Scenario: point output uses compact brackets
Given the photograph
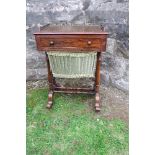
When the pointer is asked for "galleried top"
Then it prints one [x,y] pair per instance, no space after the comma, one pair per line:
[71,29]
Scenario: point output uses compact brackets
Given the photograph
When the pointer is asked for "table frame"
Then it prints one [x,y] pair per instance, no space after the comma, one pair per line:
[72,38]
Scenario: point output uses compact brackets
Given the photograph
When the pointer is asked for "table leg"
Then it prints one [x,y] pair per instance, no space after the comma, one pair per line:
[50,83]
[50,95]
[97,83]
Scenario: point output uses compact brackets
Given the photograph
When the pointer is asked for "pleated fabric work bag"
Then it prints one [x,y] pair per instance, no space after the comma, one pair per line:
[72,65]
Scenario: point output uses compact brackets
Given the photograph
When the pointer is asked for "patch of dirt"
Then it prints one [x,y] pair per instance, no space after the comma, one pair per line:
[35,84]
[114,102]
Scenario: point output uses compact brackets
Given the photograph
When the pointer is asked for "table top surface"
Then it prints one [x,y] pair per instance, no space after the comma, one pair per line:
[71,29]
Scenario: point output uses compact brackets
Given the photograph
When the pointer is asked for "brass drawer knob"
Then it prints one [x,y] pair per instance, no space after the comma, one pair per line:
[51,43]
[89,42]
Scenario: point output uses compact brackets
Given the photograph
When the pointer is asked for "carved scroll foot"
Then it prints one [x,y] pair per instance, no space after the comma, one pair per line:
[49,104]
[97,104]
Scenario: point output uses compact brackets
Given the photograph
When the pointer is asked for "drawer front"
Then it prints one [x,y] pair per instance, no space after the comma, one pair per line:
[49,43]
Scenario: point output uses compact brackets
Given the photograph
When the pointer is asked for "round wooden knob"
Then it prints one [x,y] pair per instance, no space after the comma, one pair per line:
[89,42]
[52,43]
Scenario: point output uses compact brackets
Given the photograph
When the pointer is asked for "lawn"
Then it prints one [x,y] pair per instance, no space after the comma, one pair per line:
[71,127]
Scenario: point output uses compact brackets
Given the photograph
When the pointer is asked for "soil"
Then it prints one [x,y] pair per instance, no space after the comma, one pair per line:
[114,102]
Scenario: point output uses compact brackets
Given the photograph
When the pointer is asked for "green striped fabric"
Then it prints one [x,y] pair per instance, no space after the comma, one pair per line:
[72,65]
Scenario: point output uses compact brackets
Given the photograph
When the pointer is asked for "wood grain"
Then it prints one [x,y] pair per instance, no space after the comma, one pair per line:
[72,39]
[71,29]
[70,42]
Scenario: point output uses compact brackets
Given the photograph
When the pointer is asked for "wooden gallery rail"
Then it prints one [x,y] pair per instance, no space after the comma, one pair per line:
[77,49]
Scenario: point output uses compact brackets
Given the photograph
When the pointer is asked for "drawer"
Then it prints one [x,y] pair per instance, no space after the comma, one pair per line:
[49,43]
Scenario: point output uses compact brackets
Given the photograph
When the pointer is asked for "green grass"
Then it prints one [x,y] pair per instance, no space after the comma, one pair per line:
[71,127]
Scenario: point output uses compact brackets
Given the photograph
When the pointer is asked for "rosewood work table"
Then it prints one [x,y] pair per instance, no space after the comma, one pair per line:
[73,39]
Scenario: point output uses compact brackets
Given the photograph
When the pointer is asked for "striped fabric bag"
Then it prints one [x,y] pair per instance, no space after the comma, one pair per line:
[72,65]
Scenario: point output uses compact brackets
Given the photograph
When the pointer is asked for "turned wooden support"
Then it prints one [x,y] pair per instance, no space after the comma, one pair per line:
[97,82]
[49,104]
[50,77]
[51,84]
